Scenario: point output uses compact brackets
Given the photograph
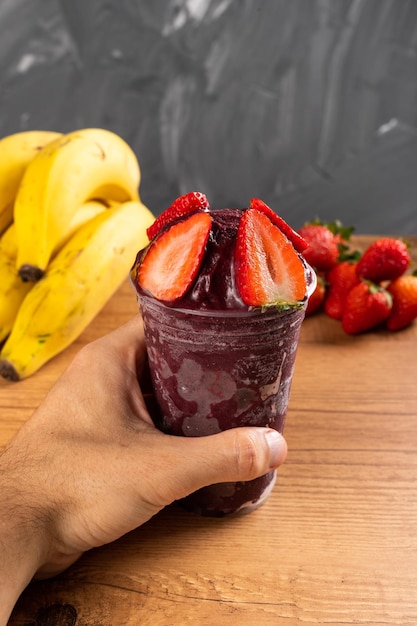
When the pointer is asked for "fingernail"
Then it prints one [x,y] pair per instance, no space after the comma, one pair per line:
[277,448]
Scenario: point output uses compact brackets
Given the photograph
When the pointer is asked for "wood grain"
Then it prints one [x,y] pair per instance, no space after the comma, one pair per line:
[336,543]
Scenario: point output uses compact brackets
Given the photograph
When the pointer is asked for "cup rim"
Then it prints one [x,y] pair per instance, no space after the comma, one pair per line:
[226,313]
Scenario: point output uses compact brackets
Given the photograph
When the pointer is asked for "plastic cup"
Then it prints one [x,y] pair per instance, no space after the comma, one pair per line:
[214,370]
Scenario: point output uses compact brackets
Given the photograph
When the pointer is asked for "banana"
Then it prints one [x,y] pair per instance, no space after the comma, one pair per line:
[8,245]
[82,165]
[81,278]
[16,152]
[12,288]
[83,214]
[12,293]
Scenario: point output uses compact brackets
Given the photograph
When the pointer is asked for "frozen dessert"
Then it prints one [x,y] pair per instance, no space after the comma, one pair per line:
[223,295]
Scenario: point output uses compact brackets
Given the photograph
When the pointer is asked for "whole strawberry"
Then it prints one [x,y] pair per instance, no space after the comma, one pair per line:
[316,299]
[341,278]
[404,308]
[323,249]
[385,259]
[367,305]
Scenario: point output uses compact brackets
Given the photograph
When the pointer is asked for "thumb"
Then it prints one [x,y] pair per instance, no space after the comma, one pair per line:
[238,454]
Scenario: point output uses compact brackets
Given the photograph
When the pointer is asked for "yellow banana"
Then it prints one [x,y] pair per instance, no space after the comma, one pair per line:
[8,245]
[82,165]
[12,293]
[81,278]
[16,152]
[12,288]
[83,214]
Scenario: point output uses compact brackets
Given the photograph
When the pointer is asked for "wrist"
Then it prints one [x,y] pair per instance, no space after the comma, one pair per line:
[23,535]
[19,562]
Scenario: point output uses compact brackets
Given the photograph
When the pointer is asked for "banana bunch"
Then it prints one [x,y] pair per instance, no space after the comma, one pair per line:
[12,288]
[67,242]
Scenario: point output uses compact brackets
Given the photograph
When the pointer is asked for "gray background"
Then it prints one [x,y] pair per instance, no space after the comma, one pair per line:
[309,104]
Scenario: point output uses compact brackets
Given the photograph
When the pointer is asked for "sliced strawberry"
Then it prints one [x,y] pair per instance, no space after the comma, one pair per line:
[297,241]
[268,269]
[188,203]
[173,259]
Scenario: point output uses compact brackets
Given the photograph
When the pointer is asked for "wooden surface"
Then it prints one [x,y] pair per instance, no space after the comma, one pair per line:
[336,543]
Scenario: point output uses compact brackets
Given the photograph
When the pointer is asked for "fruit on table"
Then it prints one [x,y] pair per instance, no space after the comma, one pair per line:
[12,288]
[12,291]
[340,280]
[366,306]
[78,282]
[404,294]
[82,165]
[382,266]
[385,259]
[69,208]
[317,298]
[16,152]
[322,251]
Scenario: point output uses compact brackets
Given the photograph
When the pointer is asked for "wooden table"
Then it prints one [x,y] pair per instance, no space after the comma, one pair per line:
[336,543]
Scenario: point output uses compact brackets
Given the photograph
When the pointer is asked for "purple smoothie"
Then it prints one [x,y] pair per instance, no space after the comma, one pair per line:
[216,363]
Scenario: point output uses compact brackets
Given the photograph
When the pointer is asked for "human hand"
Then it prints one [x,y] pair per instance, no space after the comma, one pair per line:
[89,465]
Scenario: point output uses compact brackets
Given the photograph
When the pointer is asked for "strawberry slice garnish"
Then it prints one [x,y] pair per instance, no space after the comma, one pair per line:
[268,269]
[297,240]
[173,259]
[189,203]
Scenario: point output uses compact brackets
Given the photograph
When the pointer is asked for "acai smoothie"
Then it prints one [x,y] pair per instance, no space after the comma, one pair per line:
[222,294]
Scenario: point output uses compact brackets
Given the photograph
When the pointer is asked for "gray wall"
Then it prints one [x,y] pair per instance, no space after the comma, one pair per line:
[309,104]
